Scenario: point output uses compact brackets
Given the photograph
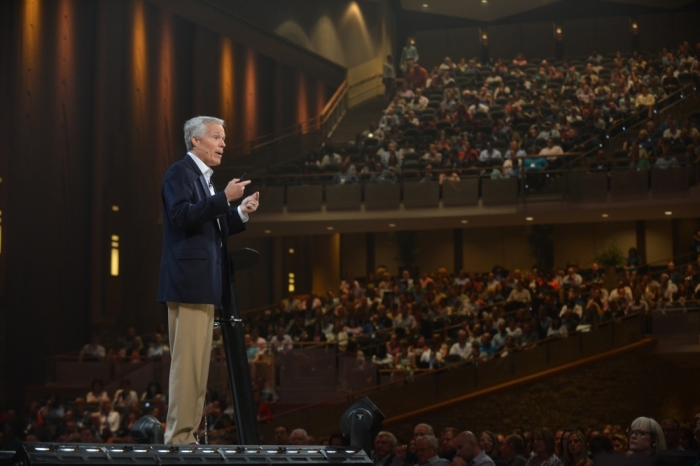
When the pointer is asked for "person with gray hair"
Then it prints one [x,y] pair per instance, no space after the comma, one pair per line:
[422,429]
[298,437]
[646,437]
[195,270]
[426,453]
[384,448]
[469,452]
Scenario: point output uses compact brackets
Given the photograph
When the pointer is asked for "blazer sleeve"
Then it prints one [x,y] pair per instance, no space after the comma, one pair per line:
[235,223]
[185,208]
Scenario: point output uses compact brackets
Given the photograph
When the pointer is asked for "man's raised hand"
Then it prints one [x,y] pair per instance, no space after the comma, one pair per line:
[235,188]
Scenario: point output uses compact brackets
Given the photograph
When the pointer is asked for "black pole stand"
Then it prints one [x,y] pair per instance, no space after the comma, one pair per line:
[231,326]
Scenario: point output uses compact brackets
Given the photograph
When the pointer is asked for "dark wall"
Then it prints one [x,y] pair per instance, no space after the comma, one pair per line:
[94,95]
[613,391]
[589,25]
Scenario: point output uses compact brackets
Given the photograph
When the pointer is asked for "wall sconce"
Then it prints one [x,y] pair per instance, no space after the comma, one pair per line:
[558,33]
[634,27]
[483,37]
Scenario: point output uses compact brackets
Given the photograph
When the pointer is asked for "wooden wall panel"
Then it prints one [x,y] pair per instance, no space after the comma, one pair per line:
[96,97]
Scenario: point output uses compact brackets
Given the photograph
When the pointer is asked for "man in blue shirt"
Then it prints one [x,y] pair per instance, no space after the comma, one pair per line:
[490,156]
[667,161]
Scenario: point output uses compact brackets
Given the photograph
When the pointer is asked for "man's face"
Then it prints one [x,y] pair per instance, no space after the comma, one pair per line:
[210,148]
[671,433]
[464,449]
[446,442]
[281,436]
[382,446]
[423,450]
[296,439]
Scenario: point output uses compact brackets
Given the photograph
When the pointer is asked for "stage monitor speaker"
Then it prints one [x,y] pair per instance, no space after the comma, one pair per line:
[31,454]
[148,430]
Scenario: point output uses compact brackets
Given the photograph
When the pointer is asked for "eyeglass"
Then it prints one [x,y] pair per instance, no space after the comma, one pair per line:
[485,440]
[639,433]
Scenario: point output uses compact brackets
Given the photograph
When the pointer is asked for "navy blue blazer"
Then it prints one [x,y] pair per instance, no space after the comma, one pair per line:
[194,266]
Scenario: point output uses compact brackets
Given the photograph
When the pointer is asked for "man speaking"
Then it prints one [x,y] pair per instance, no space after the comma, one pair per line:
[194,270]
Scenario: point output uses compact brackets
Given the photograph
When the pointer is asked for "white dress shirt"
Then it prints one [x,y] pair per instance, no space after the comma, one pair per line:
[208,172]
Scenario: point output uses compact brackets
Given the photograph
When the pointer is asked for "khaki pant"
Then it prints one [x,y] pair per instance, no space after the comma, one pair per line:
[190,329]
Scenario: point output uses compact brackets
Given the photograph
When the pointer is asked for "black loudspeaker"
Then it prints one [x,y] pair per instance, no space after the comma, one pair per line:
[31,454]
[148,430]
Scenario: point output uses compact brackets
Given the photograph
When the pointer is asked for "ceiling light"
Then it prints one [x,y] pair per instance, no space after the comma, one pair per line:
[604,215]
[425,5]
[268,231]
[484,1]
[465,221]
[668,212]
[392,225]
[329,228]
[529,219]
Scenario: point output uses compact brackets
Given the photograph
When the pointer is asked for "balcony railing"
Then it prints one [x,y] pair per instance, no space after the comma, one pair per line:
[314,193]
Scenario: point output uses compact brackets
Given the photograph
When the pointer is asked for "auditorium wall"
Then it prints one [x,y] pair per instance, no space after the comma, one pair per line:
[536,38]
[348,33]
[482,248]
[355,34]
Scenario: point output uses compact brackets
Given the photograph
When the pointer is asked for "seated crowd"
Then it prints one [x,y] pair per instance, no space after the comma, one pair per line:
[427,321]
[401,323]
[98,417]
[503,120]
[643,438]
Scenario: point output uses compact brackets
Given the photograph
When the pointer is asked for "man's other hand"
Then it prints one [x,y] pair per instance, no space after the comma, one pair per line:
[250,204]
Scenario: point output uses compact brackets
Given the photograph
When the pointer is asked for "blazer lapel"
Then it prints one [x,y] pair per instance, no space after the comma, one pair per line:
[203,184]
[205,187]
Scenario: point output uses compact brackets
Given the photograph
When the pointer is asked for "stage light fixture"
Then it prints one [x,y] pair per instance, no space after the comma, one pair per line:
[362,422]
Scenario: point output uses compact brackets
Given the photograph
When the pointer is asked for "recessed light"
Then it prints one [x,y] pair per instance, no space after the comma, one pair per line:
[425,5]
[484,1]
[529,219]
[604,215]
[268,232]
[392,225]
[465,221]
[668,212]
[329,228]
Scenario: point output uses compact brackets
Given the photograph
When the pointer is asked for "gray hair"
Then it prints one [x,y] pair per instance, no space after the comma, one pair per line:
[197,127]
[428,427]
[650,425]
[390,436]
[300,432]
[431,439]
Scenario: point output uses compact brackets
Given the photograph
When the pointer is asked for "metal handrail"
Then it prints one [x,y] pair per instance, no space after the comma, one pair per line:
[629,123]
